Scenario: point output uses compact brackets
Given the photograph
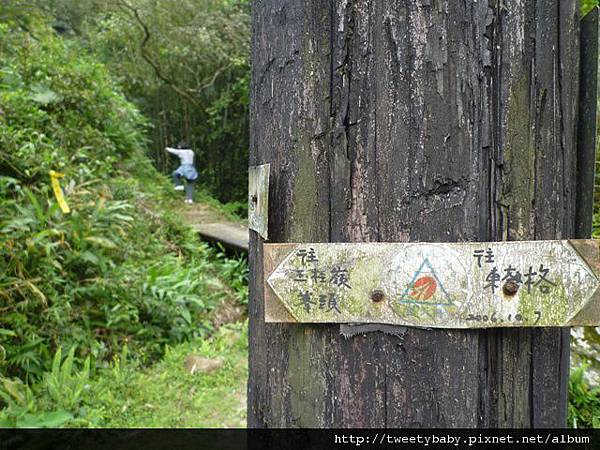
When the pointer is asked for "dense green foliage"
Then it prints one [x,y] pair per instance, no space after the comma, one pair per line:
[185,65]
[587,5]
[126,394]
[77,289]
[584,401]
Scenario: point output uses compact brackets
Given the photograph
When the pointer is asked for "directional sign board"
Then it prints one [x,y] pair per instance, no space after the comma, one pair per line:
[443,285]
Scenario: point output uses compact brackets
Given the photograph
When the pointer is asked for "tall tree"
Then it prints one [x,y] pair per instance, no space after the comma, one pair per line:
[412,121]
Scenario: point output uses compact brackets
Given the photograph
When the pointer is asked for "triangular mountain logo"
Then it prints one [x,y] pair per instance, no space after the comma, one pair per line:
[425,288]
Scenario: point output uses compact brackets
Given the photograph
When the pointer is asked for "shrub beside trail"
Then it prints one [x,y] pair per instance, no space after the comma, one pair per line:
[120,272]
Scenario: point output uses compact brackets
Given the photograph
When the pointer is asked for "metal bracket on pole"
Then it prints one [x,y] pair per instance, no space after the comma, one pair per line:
[258,199]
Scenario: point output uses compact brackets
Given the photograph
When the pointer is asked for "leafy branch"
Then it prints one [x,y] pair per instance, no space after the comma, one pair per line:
[146,55]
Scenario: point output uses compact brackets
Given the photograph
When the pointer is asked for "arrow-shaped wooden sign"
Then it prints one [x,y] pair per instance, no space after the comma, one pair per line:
[443,285]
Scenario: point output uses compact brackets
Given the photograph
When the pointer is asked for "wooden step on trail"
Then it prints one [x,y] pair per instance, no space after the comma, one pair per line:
[229,234]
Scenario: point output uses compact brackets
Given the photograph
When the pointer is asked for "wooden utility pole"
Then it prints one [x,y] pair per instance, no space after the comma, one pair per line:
[400,121]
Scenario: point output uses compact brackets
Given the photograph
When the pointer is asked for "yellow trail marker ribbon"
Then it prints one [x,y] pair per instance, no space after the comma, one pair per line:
[58,193]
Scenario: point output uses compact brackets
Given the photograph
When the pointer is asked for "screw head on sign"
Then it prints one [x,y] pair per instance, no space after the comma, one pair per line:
[377,296]
[510,288]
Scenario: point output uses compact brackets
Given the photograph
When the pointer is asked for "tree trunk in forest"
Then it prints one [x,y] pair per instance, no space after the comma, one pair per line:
[411,121]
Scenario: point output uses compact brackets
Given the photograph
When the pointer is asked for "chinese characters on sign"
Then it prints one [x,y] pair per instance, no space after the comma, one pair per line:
[528,278]
[308,273]
[449,285]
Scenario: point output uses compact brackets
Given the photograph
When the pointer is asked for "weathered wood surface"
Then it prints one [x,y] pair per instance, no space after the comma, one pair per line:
[231,235]
[437,285]
[412,121]
[587,129]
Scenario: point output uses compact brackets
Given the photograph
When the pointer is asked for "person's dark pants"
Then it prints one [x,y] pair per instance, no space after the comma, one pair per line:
[189,190]
[189,185]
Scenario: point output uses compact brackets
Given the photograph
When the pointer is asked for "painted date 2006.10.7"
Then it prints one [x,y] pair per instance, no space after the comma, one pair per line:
[494,318]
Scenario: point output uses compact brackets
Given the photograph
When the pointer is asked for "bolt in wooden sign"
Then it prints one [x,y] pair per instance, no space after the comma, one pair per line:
[442,285]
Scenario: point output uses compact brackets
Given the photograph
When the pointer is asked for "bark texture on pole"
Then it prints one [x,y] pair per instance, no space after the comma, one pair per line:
[411,121]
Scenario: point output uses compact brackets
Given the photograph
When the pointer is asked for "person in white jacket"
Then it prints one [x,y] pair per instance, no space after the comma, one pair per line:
[185,170]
